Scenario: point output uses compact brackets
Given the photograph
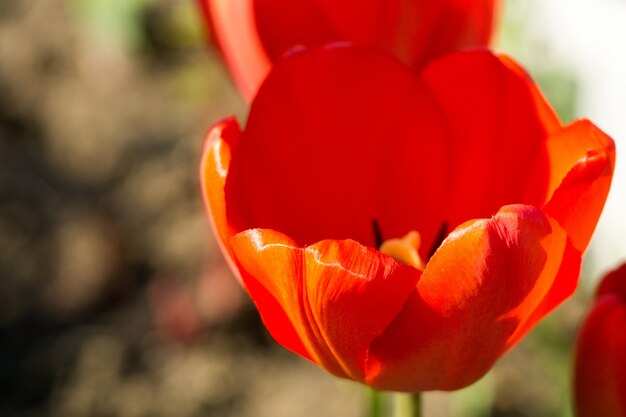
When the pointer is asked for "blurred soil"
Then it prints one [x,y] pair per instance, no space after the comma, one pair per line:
[114,300]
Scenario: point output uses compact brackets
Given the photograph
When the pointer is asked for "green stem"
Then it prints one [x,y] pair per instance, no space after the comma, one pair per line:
[407,405]
[376,404]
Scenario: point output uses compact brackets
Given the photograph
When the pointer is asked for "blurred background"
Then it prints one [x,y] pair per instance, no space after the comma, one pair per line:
[114,299]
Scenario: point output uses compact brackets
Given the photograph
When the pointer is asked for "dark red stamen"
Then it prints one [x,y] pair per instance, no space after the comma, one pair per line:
[443,232]
[378,235]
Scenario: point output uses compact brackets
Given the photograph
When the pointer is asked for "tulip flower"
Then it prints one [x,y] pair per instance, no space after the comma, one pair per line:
[600,375]
[484,200]
[254,33]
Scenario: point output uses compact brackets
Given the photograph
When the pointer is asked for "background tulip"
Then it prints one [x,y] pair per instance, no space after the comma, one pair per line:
[503,196]
[600,375]
[254,33]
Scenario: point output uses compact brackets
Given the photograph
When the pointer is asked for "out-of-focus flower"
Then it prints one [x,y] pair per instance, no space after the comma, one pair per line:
[600,375]
[503,197]
[254,33]
[181,314]
[175,313]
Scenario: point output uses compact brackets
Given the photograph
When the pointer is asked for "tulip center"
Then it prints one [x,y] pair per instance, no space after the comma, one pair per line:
[405,249]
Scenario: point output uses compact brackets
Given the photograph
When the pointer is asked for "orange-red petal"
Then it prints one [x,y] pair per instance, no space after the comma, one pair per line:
[581,162]
[339,295]
[219,143]
[476,296]
[233,23]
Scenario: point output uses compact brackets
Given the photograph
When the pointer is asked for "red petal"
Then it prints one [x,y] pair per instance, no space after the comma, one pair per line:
[549,119]
[614,283]
[339,295]
[336,138]
[498,124]
[281,25]
[235,30]
[478,294]
[581,159]
[414,31]
[600,373]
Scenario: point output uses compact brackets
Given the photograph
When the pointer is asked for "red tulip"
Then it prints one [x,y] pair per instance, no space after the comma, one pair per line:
[254,33]
[339,138]
[600,376]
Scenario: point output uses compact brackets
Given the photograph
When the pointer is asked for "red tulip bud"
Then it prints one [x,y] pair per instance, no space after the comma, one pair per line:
[600,374]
